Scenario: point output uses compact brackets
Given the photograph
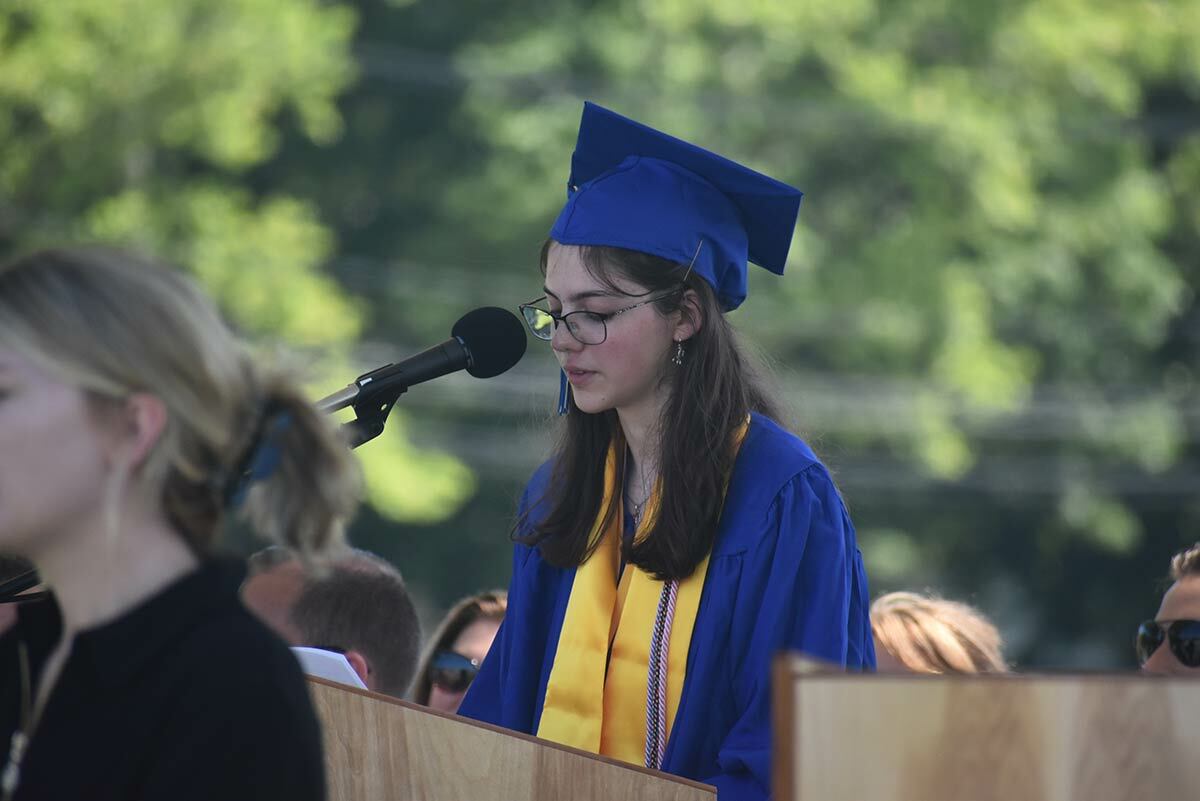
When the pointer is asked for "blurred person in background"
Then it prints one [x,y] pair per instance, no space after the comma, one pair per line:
[274,581]
[132,424]
[355,603]
[456,650]
[925,634]
[680,536]
[1170,643]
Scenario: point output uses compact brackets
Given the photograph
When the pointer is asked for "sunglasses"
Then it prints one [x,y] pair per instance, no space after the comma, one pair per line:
[452,671]
[1182,635]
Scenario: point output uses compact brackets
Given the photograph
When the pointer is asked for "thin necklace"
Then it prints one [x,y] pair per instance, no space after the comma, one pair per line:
[638,506]
[637,514]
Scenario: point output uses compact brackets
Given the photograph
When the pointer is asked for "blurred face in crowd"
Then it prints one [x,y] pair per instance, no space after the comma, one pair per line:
[272,594]
[886,661]
[55,459]
[473,643]
[1181,603]
[625,371]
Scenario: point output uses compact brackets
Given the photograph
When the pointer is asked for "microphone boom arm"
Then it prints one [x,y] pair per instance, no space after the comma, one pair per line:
[373,394]
[485,342]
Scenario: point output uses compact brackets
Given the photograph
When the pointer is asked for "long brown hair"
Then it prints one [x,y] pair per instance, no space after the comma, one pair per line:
[710,395]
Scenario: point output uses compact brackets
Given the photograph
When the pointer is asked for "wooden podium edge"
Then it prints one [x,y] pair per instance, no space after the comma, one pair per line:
[790,665]
[783,701]
[388,699]
[797,680]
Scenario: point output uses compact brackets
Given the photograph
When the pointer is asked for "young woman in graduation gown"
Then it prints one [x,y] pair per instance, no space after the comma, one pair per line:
[680,537]
[131,423]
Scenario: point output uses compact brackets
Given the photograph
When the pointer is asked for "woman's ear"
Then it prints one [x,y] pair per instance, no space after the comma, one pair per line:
[141,421]
[360,665]
[691,317]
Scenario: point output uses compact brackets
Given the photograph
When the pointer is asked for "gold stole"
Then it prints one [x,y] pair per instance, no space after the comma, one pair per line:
[595,701]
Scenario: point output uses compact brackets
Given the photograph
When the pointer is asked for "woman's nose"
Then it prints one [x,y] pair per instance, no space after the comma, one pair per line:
[1162,661]
[562,339]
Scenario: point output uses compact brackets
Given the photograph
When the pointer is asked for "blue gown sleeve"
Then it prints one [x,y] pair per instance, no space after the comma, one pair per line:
[484,699]
[803,588]
[504,690]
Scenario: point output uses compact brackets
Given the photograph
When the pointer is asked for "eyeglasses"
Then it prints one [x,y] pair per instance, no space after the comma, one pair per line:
[452,671]
[1182,635]
[588,327]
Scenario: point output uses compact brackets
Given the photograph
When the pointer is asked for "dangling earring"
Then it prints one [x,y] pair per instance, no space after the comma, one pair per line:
[677,359]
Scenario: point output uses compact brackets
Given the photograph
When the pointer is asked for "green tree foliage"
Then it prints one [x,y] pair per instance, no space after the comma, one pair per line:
[989,324]
[985,208]
[136,122]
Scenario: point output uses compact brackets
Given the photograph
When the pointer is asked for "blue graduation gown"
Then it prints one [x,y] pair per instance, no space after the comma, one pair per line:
[785,573]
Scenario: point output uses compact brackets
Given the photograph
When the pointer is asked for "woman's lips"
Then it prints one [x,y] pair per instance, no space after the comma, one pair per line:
[577,377]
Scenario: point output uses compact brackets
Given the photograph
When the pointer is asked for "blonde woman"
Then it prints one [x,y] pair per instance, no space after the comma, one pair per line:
[923,634]
[131,424]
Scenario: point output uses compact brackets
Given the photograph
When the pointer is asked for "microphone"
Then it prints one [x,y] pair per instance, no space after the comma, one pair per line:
[485,342]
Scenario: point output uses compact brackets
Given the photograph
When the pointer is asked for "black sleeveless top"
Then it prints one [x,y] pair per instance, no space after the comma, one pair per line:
[186,696]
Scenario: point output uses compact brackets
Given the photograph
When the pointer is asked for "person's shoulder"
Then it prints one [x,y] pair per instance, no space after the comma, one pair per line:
[775,471]
[539,481]
[537,501]
[242,659]
[237,702]
[773,455]
[235,627]
[536,498]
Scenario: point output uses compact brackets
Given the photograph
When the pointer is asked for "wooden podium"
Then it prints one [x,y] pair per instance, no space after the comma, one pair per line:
[379,748]
[869,737]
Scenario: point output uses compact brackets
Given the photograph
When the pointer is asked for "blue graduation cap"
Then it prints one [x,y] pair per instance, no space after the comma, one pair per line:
[637,188]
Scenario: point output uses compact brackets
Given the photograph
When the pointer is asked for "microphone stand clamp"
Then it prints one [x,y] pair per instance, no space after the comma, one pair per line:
[378,392]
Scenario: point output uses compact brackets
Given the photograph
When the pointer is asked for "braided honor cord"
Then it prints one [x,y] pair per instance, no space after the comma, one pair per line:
[656,685]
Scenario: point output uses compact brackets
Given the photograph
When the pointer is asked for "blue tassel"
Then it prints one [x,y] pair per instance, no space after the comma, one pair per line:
[563,389]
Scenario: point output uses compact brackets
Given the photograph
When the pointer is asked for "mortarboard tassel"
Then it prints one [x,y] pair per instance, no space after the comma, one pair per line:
[562,392]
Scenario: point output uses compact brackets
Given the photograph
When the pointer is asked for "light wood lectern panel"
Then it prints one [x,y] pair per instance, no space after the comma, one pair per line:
[379,748]
[983,738]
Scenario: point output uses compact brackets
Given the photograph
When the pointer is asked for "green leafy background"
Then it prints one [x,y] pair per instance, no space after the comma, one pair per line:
[988,326]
